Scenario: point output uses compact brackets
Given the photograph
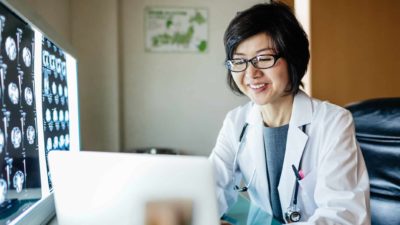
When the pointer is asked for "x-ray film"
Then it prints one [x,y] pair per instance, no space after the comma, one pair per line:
[54,99]
[19,156]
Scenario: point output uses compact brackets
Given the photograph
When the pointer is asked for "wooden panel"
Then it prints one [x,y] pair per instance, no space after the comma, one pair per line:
[355,49]
[287,2]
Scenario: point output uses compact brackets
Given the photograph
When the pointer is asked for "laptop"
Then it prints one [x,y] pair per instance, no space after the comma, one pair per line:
[135,189]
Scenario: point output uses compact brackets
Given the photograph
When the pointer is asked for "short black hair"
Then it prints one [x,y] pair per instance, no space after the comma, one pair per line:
[289,39]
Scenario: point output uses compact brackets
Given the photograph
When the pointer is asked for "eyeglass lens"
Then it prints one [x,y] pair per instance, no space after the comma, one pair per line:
[259,62]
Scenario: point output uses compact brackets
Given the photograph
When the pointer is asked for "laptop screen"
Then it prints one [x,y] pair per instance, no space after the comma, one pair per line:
[122,188]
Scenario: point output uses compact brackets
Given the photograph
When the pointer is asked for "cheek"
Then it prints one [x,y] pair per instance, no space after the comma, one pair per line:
[283,81]
[238,81]
[286,78]
[283,74]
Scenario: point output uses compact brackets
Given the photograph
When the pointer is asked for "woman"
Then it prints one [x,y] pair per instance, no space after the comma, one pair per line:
[297,157]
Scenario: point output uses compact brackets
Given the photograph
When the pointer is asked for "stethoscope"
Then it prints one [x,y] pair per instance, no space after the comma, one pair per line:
[242,141]
[292,213]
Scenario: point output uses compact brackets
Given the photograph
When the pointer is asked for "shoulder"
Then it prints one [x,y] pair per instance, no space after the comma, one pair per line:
[327,111]
[240,113]
[307,109]
[330,119]
[236,119]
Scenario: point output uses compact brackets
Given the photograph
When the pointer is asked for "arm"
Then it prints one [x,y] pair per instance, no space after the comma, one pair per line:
[222,158]
[342,184]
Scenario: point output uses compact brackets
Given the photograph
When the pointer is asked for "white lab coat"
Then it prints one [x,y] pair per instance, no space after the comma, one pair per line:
[335,188]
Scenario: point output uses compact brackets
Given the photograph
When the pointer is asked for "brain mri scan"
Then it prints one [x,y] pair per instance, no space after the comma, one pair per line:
[18,181]
[30,134]
[13,93]
[48,115]
[11,48]
[28,95]
[55,142]
[49,144]
[27,56]
[61,141]
[54,88]
[16,137]
[61,116]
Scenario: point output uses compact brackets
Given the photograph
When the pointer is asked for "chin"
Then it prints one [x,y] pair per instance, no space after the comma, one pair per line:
[261,101]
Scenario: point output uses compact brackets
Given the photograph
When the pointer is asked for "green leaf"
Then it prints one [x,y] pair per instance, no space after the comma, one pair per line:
[202,46]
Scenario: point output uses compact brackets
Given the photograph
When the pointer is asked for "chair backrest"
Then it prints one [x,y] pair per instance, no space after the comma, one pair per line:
[377,123]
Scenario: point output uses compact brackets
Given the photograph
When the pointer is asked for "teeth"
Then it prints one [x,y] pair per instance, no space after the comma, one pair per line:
[257,85]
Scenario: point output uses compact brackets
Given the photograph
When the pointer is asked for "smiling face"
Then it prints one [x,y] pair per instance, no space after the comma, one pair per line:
[262,86]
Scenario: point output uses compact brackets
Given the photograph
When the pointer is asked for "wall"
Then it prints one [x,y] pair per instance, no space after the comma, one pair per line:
[94,35]
[355,49]
[55,13]
[130,98]
[175,100]
[288,2]
[91,28]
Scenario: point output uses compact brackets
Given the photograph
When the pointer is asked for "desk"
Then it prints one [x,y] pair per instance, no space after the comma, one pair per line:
[238,214]
[53,221]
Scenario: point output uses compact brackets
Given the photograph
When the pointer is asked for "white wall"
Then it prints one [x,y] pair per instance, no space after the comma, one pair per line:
[55,13]
[176,100]
[94,35]
[130,98]
[91,28]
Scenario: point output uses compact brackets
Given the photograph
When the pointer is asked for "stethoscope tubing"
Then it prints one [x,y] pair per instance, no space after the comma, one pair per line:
[242,140]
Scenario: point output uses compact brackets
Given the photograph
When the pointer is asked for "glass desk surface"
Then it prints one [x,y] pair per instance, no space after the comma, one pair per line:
[244,213]
[237,215]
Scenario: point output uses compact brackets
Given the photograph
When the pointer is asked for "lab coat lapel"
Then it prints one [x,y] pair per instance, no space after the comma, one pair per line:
[255,146]
[295,145]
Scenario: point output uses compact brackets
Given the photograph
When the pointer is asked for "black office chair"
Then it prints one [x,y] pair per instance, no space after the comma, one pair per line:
[377,123]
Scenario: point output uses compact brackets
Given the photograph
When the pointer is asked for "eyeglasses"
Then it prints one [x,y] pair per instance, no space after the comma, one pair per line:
[259,62]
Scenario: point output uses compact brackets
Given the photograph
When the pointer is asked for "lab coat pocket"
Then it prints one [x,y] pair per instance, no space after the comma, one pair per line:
[307,188]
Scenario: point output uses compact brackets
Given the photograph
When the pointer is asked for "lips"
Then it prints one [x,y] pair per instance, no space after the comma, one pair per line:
[256,86]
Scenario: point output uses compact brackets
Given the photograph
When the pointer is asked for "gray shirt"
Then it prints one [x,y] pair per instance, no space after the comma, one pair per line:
[275,147]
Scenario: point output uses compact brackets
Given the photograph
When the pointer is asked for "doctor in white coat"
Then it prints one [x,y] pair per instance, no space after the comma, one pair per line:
[320,160]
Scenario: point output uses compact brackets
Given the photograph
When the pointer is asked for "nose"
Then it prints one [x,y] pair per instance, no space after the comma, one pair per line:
[252,72]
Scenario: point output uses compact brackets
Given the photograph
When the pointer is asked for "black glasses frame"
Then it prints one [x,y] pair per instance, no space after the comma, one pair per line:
[253,61]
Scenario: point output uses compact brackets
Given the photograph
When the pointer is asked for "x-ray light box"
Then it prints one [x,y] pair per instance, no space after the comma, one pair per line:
[39,113]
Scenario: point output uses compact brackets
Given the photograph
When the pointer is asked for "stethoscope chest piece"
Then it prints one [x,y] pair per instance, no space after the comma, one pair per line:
[293,214]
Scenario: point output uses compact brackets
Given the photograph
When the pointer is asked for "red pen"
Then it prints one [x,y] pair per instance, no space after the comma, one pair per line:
[299,175]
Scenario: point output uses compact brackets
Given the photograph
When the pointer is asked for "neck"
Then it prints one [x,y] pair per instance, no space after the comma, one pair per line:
[276,114]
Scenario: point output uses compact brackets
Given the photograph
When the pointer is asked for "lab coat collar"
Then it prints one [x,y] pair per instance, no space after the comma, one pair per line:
[254,117]
[301,112]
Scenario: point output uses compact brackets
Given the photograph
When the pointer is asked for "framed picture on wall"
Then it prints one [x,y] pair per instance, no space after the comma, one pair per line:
[176,29]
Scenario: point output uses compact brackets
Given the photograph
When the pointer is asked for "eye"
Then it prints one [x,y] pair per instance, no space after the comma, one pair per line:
[238,61]
[265,58]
